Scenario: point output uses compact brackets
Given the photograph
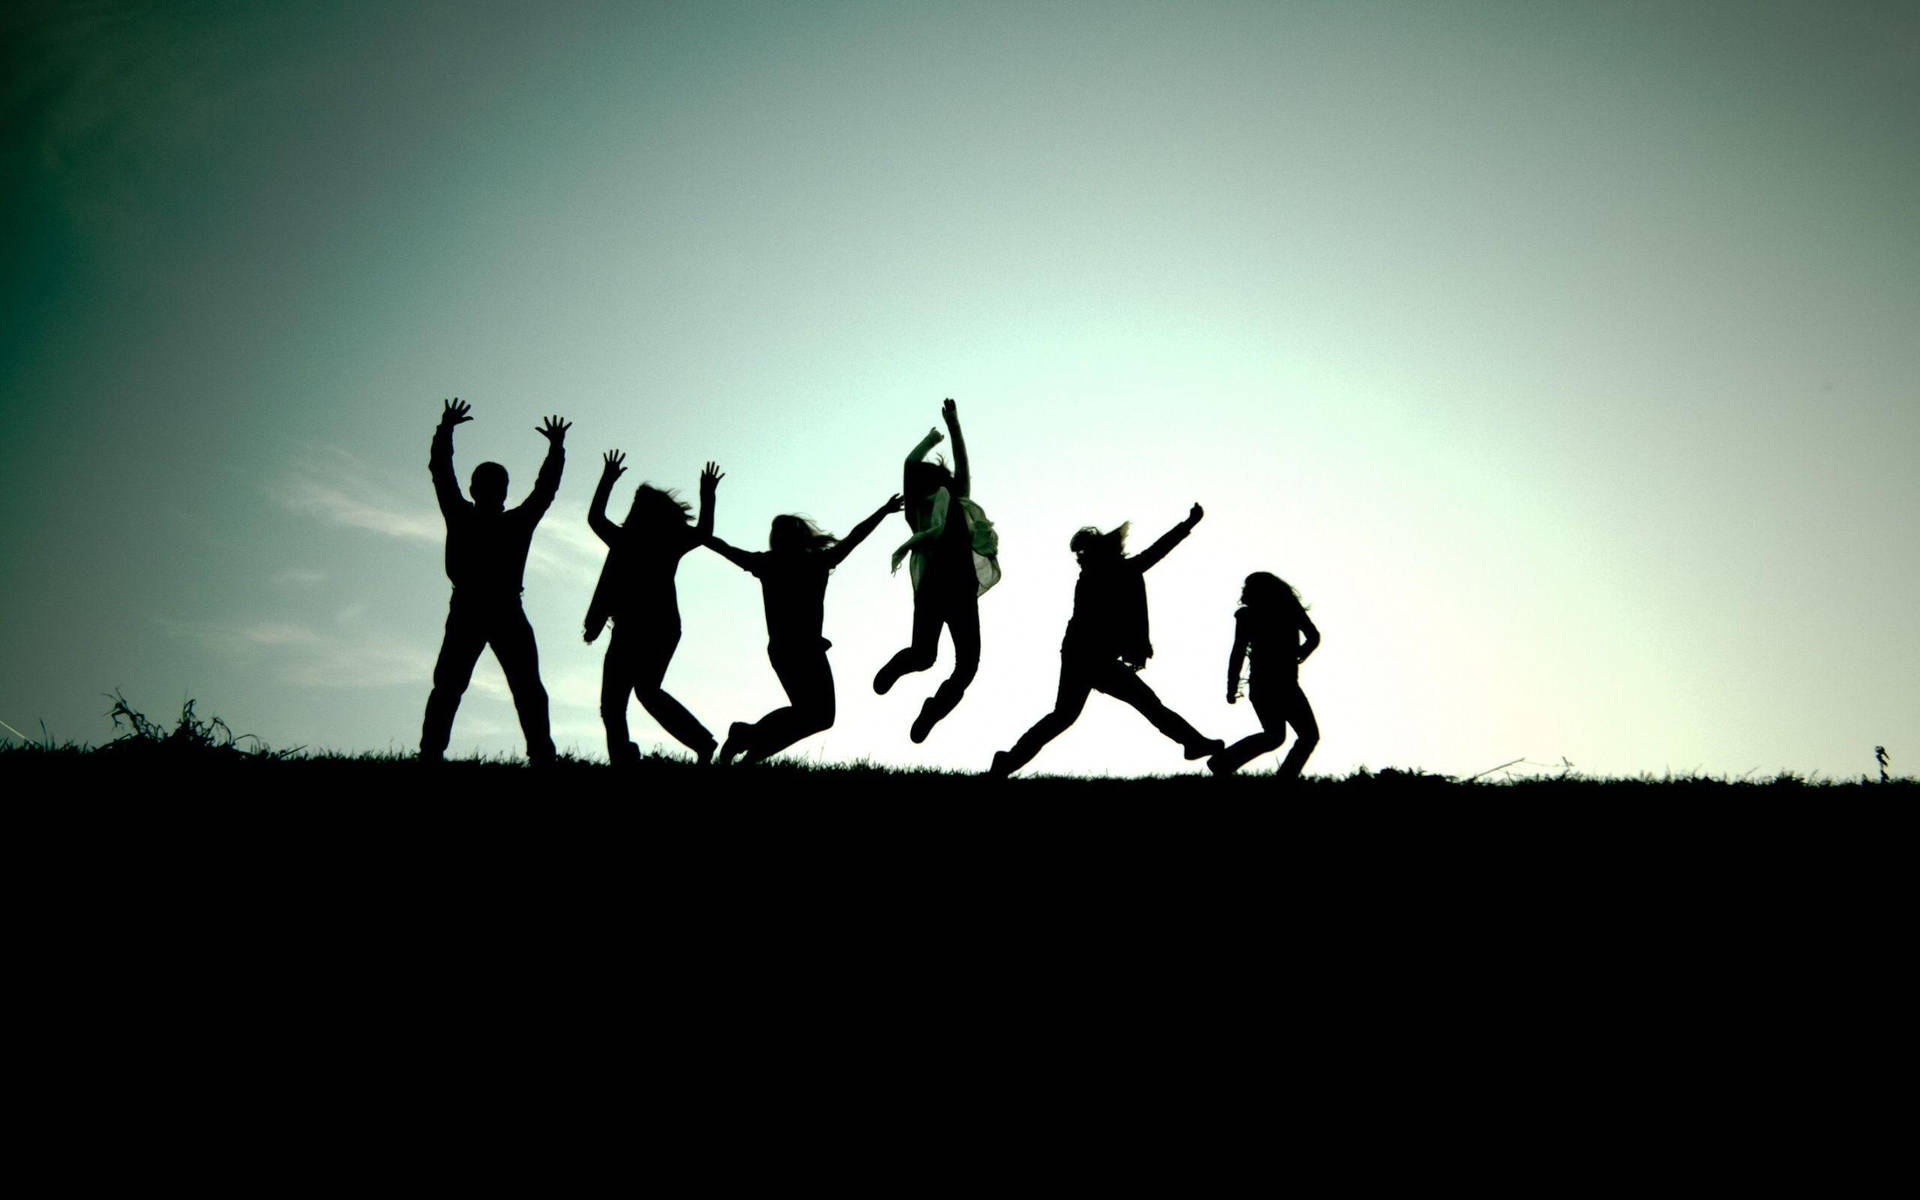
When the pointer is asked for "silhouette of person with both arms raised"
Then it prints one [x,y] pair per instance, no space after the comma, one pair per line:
[955,561]
[636,592]
[486,559]
[1270,625]
[1107,644]
[793,574]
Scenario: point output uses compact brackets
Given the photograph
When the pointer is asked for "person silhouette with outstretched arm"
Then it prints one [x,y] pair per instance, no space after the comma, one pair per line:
[1107,644]
[486,558]
[1272,626]
[637,594]
[793,574]
[954,561]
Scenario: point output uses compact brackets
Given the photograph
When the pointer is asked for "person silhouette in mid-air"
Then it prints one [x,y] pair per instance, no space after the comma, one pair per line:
[636,592]
[793,574]
[1274,627]
[487,546]
[1106,644]
[955,560]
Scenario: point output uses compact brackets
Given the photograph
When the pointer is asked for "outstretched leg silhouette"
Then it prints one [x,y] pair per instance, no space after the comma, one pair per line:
[1077,680]
[452,671]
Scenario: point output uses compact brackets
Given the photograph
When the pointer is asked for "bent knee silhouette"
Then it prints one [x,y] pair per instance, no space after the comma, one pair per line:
[793,573]
[954,555]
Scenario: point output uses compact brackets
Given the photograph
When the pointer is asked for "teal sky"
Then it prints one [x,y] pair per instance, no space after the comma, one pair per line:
[1564,356]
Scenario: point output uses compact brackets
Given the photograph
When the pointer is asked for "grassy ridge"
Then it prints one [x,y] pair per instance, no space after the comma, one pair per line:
[228,766]
[205,753]
[171,849]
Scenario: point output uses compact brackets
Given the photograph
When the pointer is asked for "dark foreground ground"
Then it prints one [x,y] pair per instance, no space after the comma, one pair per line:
[372,929]
[667,815]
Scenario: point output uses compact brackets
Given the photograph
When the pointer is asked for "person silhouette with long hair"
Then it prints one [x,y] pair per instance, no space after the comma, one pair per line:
[1273,627]
[1107,644]
[486,559]
[954,561]
[636,593]
[793,574]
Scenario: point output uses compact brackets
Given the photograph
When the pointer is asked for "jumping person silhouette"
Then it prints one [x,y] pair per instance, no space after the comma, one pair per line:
[486,559]
[636,592]
[793,574]
[1270,625]
[955,561]
[1106,644]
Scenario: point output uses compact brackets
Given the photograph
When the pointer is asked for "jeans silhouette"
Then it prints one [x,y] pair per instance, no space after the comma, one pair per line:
[1277,708]
[947,600]
[471,628]
[1078,679]
[636,663]
[808,679]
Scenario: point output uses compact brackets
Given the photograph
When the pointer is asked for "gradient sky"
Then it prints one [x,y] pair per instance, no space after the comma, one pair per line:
[1564,356]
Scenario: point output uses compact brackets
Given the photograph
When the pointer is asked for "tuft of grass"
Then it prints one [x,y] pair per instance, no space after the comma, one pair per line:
[206,739]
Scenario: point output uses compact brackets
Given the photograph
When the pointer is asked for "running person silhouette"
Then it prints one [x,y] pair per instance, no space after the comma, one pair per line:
[955,560]
[793,574]
[486,559]
[1107,644]
[636,592]
[1271,625]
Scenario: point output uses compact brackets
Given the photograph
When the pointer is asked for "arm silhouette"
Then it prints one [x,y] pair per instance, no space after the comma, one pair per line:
[548,484]
[1168,540]
[936,525]
[1312,633]
[710,478]
[611,470]
[1238,657]
[962,479]
[934,438]
[859,532]
[744,559]
[440,456]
